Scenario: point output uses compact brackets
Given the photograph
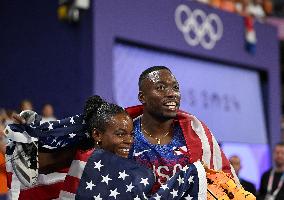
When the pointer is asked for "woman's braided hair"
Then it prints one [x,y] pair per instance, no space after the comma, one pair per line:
[97,113]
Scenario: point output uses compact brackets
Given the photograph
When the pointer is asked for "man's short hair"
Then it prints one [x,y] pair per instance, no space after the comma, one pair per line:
[146,72]
[280,144]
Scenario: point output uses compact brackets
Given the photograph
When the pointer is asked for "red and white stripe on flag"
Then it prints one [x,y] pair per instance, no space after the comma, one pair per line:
[72,180]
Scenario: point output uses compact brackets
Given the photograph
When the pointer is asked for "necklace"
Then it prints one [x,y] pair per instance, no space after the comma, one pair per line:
[156,138]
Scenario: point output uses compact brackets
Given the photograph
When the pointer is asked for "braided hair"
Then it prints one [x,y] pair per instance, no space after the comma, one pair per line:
[97,113]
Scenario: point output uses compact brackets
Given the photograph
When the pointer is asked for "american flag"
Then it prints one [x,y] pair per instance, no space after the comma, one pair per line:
[250,35]
[24,140]
[50,135]
[107,176]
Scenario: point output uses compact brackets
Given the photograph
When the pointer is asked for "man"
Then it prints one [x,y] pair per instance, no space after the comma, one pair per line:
[165,138]
[48,113]
[26,105]
[271,187]
[236,163]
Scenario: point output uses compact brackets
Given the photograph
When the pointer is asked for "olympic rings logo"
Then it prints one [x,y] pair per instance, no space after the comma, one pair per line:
[197,28]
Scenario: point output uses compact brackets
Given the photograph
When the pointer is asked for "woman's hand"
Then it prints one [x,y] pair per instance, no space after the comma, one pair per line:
[18,119]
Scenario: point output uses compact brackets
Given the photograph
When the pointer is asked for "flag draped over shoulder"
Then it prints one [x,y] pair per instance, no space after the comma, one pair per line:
[200,142]
[107,176]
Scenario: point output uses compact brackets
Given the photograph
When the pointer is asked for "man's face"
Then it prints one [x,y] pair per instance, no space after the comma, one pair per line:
[160,94]
[118,136]
[278,155]
[47,111]
[26,105]
[236,163]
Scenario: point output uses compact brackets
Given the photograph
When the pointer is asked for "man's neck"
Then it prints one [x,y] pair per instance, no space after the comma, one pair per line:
[155,125]
[279,168]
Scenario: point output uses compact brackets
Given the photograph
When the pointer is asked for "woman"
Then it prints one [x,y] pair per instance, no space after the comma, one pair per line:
[101,175]
[110,128]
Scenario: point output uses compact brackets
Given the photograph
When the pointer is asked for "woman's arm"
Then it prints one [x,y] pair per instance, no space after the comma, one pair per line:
[55,161]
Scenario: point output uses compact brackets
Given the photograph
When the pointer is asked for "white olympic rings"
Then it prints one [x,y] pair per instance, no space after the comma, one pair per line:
[203,33]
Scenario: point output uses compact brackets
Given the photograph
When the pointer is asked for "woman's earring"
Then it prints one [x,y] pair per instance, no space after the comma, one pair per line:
[98,142]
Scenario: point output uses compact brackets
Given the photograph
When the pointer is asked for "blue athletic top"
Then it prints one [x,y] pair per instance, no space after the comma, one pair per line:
[164,160]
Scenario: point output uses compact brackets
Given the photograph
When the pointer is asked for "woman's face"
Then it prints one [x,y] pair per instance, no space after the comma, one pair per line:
[118,136]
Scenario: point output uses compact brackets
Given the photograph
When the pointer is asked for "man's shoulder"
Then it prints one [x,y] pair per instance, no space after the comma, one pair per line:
[248,183]
[182,112]
[134,111]
[249,186]
[266,173]
[184,116]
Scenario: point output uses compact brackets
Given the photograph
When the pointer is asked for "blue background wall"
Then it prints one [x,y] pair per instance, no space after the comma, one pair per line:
[42,58]
[152,24]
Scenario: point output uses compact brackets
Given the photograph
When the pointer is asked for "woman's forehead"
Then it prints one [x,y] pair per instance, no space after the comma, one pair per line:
[121,119]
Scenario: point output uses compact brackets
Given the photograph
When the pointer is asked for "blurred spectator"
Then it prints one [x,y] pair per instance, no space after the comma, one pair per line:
[48,113]
[282,129]
[26,105]
[2,142]
[3,174]
[242,7]
[216,3]
[228,5]
[203,1]
[3,116]
[236,163]
[239,6]
[272,180]
[255,9]
[268,7]
[10,119]
[278,8]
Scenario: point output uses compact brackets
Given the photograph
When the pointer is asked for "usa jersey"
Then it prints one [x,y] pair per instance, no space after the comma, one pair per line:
[164,160]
